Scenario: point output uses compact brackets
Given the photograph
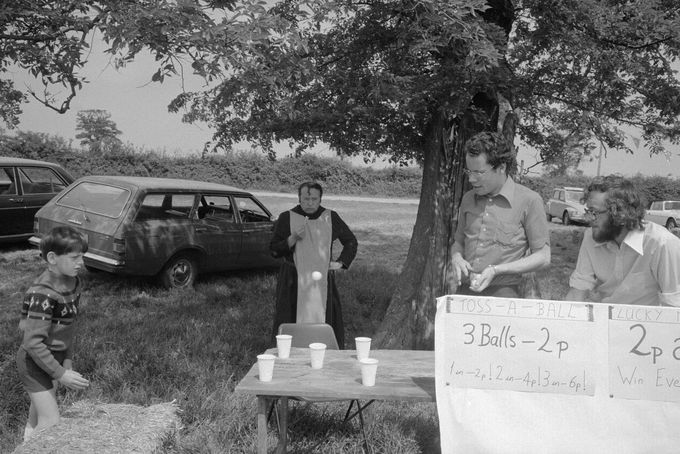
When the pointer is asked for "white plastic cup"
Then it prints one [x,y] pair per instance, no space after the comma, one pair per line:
[265,364]
[283,342]
[317,351]
[363,346]
[369,368]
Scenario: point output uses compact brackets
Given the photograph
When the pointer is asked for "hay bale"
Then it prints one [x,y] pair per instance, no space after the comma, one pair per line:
[90,427]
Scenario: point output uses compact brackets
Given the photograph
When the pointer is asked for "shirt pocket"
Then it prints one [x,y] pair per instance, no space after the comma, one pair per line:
[508,234]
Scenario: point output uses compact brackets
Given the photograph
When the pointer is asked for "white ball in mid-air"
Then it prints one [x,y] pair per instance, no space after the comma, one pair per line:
[316,275]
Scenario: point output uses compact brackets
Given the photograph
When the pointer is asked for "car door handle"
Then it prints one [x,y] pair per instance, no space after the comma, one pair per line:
[17,200]
[202,229]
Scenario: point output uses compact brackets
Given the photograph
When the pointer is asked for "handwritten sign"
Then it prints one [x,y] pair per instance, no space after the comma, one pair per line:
[613,385]
[644,353]
[521,345]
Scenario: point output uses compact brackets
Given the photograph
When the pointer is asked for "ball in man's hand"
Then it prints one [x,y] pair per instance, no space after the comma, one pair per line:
[316,275]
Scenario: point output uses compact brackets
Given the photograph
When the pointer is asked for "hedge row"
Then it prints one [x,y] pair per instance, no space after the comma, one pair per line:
[254,171]
[248,170]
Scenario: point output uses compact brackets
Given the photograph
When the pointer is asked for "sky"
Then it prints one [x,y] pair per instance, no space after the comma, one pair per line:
[139,109]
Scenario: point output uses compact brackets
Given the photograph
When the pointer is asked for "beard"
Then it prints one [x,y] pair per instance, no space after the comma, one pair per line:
[608,232]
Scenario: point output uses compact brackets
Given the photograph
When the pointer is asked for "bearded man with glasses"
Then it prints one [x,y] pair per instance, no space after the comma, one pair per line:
[502,229]
[624,259]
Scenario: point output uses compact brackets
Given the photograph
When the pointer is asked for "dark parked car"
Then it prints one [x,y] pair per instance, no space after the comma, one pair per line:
[25,186]
[159,226]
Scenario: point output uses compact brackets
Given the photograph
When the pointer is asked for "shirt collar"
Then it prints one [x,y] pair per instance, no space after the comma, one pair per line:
[298,209]
[634,240]
[507,191]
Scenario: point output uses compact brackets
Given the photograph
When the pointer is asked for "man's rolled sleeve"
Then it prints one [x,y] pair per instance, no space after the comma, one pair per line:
[667,272]
[536,225]
[671,299]
[459,234]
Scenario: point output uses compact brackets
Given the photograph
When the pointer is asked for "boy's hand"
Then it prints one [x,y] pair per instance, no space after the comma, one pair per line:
[72,379]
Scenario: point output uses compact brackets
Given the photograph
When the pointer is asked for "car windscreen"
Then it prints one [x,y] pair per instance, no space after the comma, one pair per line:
[96,198]
[574,196]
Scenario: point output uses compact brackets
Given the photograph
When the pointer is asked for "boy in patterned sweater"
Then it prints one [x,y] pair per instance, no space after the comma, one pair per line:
[47,320]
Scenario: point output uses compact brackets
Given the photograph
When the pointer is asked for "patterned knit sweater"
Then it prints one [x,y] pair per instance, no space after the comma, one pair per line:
[48,321]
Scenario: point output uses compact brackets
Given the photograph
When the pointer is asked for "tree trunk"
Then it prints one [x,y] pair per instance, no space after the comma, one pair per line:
[409,320]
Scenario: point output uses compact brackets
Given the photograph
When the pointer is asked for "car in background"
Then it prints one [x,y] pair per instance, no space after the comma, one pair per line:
[567,204]
[25,186]
[171,228]
[664,212]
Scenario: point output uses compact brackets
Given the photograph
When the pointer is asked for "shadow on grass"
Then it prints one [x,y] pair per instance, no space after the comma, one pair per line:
[390,428]
[141,344]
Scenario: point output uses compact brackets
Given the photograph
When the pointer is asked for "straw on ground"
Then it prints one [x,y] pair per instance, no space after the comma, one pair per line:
[87,427]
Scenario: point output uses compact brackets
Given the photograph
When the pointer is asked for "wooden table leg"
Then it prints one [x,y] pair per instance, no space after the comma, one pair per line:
[261,425]
[283,425]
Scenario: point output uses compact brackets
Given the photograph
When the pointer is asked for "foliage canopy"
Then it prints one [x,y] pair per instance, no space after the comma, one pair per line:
[369,77]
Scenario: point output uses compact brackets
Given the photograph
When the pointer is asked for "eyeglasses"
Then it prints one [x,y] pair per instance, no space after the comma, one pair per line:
[594,213]
[476,173]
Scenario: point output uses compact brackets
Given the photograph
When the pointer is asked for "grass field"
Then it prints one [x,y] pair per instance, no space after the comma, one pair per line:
[140,344]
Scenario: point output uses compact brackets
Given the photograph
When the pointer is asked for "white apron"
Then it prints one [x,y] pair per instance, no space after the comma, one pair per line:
[312,253]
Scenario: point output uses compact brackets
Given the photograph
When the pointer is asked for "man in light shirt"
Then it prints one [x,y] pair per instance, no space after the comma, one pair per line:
[502,229]
[624,259]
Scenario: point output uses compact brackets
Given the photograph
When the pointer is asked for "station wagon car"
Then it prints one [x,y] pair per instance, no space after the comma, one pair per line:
[172,228]
[566,204]
[25,186]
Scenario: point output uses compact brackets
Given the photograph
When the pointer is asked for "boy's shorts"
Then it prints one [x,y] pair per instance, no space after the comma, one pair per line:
[33,377]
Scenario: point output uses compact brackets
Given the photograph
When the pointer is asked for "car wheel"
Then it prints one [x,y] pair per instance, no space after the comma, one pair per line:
[179,272]
[670,224]
[566,220]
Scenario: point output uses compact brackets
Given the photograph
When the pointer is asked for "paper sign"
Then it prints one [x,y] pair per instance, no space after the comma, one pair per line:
[521,345]
[613,385]
[644,352]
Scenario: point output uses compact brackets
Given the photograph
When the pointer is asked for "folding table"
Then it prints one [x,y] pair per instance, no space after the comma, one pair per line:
[403,375]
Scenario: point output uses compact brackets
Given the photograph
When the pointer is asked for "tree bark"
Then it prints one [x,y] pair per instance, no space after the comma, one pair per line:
[409,319]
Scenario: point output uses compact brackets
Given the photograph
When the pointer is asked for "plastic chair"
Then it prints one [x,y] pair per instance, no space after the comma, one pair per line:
[307,333]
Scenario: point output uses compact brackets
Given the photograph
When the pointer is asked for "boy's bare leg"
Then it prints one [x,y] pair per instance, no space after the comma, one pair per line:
[31,423]
[45,410]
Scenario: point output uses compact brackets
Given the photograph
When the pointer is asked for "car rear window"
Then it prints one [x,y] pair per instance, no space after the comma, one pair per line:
[574,196]
[96,198]
[165,207]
